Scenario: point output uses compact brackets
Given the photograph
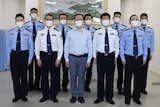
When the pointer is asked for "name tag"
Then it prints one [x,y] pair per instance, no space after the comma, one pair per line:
[25,35]
[111,33]
[53,35]
[28,26]
[12,33]
[148,32]
[140,35]
[128,35]
[42,34]
[100,33]
[122,30]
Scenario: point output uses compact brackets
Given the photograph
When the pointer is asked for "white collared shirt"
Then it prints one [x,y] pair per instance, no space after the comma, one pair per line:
[99,41]
[56,42]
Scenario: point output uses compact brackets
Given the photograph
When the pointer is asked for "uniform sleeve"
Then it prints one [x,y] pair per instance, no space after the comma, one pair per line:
[60,46]
[122,46]
[116,45]
[9,46]
[94,45]
[152,43]
[30,47]
[37,45]
[66,47]
[145,48]
[89,45]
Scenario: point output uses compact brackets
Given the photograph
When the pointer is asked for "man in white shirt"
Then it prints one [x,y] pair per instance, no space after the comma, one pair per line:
[105,53]
[48,50]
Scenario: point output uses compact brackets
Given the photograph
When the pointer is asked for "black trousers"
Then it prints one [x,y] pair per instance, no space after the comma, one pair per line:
[120,74]
[34,83]
[48,65]
[105,65]
[65,79]
[144,73]
[89,75]
[19,63]
[133,66]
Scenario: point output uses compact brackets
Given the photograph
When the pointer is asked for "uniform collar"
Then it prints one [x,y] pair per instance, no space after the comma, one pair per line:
[79,30]
[134,29]
[21,29]
[105,28]
[48,29]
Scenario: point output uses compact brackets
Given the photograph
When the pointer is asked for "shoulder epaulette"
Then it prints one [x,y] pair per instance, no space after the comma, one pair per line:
[56,29]
[94,28]
[150,28]
[12,29]
[27,22]
[123,25]
[98,28]
[40,22]
[70,27]
[56,26]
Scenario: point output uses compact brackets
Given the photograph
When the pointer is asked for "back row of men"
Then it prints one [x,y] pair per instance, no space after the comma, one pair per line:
[131,49]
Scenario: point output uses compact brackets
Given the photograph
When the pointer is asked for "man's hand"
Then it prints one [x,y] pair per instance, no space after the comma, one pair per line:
[88,64]
[39,62]
[67,64]
[57,63]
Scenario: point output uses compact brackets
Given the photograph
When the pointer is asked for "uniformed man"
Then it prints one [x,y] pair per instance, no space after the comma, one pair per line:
[133,52]
[78,55]
[20,53]
[64,29]
[120,28]
[88,20]
[48,50]
[105,53]
[34,26]
[149,32]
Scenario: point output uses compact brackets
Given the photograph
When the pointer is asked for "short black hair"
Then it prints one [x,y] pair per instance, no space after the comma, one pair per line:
[117,12]
[77,15]
[48,14]
[88,15]
[63,14]
[132,16]
[19,15]
[34,9]
[105,14]
[144,14]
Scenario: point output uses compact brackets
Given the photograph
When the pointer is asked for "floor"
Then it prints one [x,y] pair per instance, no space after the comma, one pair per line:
[6,95]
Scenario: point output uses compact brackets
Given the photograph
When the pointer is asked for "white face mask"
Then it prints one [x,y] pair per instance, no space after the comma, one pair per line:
[33,15]
[105,22]
[49,23]
[63,22]
[117,20]
[134,23]
[88,22]
[19,24]
[79,23]
[143,21]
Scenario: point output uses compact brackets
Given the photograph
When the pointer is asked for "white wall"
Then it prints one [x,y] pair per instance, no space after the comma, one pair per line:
[8,10]
[151,7]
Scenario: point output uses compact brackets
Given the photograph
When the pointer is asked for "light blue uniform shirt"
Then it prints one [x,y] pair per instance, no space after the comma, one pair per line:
[121,28]
[66,29]
[91,29]
[29,26]
[126,43]
[26,42]
[78,42]
[150,37]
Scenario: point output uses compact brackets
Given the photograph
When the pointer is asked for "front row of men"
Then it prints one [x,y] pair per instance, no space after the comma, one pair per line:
[78,49]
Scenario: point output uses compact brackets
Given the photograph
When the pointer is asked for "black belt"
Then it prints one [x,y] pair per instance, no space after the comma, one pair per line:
[54,52]
[84,55]
[105,54]
[19,51]
[135,57]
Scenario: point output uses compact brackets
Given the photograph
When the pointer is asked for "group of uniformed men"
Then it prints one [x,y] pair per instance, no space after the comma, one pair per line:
[76,49]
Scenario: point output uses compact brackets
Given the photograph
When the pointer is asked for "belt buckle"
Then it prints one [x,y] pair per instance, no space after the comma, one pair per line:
[136,57]
[105,54]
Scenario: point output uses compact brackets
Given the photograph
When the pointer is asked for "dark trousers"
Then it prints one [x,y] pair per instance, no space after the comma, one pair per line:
[89,75]
[144,73]
[48,65]
[105,65]
[65,79]
[133,66]
[31,74]
[120,74]
[18,63]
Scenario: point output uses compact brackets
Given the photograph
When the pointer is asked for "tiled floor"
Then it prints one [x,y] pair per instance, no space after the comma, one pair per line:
[6,95]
